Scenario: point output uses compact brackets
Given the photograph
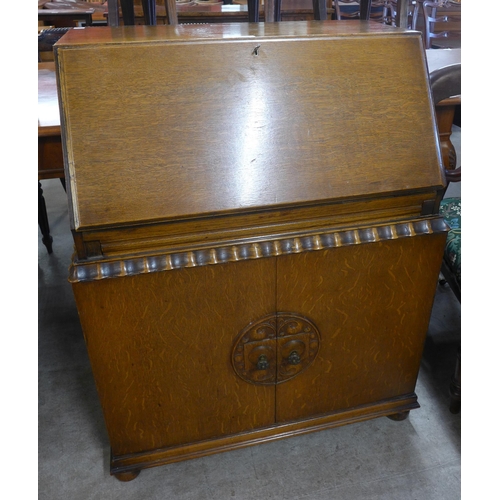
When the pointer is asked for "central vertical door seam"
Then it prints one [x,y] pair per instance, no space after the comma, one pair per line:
[276,340]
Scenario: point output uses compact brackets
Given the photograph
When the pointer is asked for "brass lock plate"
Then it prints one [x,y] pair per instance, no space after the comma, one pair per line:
[275,348]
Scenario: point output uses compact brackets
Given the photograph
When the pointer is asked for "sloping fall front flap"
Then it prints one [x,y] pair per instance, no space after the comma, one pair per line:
[178,124]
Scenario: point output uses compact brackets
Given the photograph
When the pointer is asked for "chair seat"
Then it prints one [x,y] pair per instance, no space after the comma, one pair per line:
[451,210]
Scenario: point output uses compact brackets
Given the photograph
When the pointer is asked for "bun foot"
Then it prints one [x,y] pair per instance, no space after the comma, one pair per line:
[127,476]
[398,417]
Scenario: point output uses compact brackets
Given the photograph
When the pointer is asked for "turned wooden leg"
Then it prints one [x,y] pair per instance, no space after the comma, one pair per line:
[398,417]
[455,402]
[43,220]
[127,476]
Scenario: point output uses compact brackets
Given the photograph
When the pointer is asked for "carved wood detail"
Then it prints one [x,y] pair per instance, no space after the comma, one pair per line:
[275,348]
[97,270]
[254,353]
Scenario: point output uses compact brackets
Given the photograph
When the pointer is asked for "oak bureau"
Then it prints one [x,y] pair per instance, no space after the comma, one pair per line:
[255,217]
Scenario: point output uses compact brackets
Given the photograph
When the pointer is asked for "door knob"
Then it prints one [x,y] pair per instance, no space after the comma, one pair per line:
[262,363]
[275,348]
[294,358]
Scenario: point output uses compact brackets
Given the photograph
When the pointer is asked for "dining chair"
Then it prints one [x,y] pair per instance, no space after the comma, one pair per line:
[441,19]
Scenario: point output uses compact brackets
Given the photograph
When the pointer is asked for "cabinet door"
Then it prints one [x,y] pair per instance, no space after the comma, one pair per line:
[371,304]
[160,349]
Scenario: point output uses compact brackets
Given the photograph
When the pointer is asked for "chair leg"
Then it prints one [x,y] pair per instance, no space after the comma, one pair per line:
[455,392]
[43,220]
[277,11]
[128,12]
[364,9]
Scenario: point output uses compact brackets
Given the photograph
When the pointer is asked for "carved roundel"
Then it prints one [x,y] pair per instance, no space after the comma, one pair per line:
[275,348]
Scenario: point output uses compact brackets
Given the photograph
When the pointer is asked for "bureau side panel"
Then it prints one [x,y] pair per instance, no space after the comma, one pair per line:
[160,348]
[371,304]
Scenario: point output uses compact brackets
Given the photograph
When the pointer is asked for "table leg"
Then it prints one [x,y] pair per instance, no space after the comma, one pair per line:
[365,7]
[253,11]
[128,12]
[43,220]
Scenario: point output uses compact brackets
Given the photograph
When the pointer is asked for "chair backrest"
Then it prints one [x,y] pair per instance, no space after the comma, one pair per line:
[393,12]
[438,23]
[360,9]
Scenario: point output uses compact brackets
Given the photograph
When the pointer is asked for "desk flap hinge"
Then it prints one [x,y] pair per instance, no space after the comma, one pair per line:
[86,249]
[93,249]
[430,207]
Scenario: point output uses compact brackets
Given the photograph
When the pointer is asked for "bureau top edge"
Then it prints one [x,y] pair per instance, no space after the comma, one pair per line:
[225,31]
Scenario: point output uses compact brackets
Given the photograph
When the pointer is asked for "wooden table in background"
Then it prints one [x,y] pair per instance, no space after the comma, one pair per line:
[65,17]
[50,157]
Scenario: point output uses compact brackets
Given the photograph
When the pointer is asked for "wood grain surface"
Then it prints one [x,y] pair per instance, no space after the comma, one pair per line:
[232,174]
[371,305]
[192,124]
[160,348]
